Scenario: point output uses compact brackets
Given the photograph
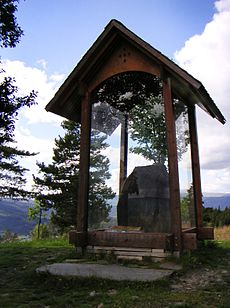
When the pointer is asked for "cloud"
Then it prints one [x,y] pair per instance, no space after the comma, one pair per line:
[35,128]
[43,146]
[206,56]
[31,78]
[42,63]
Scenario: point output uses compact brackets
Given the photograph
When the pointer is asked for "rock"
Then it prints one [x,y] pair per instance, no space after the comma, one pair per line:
[112,292]
[144,201]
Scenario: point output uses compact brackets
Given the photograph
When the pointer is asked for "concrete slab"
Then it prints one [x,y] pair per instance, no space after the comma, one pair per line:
[111,271]
[171,266]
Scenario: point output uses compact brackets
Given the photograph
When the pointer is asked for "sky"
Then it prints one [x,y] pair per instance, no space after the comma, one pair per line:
[195,34]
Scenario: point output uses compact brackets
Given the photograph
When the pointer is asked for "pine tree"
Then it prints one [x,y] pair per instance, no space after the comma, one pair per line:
[12,177]
[59,180]
[10,32]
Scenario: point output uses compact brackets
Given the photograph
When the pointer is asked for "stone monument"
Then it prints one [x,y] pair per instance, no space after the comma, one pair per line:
[144,199]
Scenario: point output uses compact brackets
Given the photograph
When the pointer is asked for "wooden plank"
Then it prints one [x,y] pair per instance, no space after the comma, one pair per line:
[189,241]
[82,210]
[126,239]
[126,249]
[195,166]
[136,258]
[205,233]
[132,252]
[190,230]
[173,165]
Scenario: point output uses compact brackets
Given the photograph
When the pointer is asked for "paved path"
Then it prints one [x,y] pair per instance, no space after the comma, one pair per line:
[111,271]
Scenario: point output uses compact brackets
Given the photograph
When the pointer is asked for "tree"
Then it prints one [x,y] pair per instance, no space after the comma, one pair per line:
[139,96]
[216,217]
[147,128]
[59,180]
[36,213]
[10,32]
[12,177]
[187,206]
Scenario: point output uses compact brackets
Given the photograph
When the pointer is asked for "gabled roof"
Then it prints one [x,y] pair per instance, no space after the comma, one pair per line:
[67,100]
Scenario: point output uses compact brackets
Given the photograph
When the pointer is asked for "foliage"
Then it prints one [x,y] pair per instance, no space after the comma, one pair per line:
[40,231]
[184,206]
[216,217]
[58,185]
[188,208]
[8,236]
[139,97]
[36,213]
[12,178]
[10,32]
[11,173]
[147,128]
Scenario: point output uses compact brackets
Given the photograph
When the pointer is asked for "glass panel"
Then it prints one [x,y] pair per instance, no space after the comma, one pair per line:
[148,188]
[130,107]
[185,164]
[104,164]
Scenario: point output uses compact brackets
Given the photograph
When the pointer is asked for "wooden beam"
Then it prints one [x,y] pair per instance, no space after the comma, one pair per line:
[205,233]
[82,210]
[174,187]
[123,152]
[189,241]
[134,239]
[195,166]
[79,239]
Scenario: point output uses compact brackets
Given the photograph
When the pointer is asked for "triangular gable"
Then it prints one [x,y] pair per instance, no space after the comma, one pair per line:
[116,37]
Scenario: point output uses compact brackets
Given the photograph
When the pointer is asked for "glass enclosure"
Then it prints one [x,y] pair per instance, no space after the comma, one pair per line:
[129,161]
[184,164]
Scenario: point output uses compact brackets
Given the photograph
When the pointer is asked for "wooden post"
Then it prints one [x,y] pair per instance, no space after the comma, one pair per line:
[122,206]
[123,152]
[82,211]
[174,187]
[195,166]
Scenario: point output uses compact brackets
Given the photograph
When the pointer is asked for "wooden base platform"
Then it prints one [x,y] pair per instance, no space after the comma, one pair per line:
[136,243]
[127,253]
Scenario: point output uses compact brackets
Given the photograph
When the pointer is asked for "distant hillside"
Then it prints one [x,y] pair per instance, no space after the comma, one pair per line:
[13,217]
[210,200]
[13,214]
[217,201]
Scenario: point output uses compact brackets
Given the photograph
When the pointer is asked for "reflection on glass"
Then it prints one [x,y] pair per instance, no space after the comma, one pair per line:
[128,112]
[104,122]
[185,169]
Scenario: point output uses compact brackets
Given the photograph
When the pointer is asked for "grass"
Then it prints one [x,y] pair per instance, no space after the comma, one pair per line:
[222,233]
[21,286]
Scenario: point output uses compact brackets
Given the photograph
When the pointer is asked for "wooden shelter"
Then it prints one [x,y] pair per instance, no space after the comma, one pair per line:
[117,51]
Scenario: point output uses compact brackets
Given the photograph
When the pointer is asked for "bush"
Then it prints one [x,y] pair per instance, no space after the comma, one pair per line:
[8,236]
[216,217]
[40,232]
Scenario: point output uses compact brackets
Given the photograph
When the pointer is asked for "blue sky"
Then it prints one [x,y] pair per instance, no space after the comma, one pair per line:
[62,31]
[195,33]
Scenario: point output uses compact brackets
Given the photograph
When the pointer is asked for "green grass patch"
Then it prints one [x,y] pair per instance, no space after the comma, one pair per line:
[21,286]
[59,242]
